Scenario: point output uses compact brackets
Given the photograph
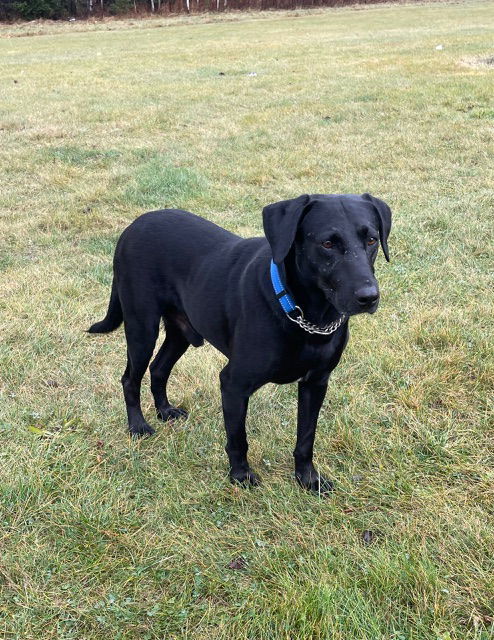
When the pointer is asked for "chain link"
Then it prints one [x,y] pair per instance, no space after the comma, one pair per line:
[313,328]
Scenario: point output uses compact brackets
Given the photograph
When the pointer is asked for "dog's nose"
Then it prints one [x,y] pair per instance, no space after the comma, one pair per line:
[367,296]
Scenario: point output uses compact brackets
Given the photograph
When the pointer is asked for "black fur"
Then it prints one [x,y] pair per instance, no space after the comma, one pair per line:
[207,283]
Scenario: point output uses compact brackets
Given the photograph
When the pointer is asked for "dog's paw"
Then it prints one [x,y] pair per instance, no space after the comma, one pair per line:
[140,430]
[171,413]
[245,478]
[313,481]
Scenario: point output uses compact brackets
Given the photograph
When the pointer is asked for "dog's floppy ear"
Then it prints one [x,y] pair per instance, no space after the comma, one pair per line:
[384,218]
[280,222]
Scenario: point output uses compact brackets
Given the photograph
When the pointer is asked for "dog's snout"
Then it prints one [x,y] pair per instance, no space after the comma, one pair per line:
[367,296]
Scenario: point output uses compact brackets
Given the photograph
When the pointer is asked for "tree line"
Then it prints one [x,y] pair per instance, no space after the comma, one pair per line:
[65,9]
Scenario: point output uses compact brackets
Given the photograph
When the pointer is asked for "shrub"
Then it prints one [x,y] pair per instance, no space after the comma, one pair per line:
[32,9]
[121,6]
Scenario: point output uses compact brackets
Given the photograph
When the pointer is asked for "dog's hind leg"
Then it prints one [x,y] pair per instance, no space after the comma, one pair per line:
[141,339]
[174,346]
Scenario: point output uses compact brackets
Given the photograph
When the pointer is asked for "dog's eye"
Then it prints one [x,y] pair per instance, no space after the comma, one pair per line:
[371,241]
[327,244]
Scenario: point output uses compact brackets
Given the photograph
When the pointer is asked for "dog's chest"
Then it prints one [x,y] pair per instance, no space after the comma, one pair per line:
[297,361]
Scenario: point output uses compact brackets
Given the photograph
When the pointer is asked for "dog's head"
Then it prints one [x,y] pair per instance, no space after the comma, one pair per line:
[333,241]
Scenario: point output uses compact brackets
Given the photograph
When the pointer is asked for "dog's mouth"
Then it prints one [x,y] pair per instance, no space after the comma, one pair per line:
[371,308]
[356,308]
[332,297]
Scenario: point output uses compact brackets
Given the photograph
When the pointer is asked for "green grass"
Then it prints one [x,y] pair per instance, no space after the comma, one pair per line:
[102,537]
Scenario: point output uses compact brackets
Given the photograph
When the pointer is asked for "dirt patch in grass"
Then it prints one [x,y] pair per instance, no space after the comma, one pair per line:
[480,62]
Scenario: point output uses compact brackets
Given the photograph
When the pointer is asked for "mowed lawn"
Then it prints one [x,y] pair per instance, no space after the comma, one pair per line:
[105,538]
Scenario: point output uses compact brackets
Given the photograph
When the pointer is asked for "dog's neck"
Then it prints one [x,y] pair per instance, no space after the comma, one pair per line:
[309,298]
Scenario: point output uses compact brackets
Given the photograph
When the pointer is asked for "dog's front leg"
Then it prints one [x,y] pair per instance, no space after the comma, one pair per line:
[235,404]
[310,398]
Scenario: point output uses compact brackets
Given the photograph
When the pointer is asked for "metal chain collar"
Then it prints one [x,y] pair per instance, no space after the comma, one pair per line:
[313,328]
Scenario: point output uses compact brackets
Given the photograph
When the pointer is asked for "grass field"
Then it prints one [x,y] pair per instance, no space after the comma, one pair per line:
[101,537]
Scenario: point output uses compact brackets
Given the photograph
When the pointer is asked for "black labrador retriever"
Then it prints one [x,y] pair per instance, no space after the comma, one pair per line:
[276,307]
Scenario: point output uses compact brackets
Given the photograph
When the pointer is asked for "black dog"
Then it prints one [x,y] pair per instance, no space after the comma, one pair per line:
[277,308]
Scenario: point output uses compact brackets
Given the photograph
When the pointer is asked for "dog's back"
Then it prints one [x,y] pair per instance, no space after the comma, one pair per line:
[176,265]
[158,238]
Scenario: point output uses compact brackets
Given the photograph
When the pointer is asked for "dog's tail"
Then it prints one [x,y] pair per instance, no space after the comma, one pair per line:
[114,315]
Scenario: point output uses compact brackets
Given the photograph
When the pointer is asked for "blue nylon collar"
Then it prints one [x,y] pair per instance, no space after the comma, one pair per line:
[289,306]
[286,300]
